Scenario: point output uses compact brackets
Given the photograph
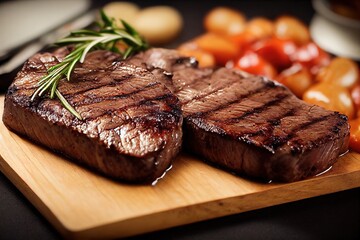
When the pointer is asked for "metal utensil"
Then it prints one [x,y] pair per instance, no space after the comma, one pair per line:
[22,53]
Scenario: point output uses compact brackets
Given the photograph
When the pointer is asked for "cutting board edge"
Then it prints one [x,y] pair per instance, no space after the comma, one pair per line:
[211,210]
[186,214]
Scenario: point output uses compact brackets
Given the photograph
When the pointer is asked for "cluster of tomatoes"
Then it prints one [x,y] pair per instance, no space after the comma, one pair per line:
[282,50]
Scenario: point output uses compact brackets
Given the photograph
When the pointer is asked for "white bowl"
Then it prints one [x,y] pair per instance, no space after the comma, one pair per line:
[335,33]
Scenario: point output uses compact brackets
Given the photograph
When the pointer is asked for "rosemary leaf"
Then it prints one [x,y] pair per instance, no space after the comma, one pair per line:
[71,67]
[84,41]
[67,105]
[54,88]
[89,46]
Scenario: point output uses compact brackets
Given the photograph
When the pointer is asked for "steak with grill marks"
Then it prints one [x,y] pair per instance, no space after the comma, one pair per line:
[248,124]
[131,127]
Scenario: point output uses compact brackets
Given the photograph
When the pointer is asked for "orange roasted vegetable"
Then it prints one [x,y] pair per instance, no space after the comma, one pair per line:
[224,21]
[331,97]
[340,71]
[256,29]
[297,78]
[259,28]
[220,47]
[291,28]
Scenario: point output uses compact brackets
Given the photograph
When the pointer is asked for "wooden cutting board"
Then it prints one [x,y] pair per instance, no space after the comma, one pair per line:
[81,204]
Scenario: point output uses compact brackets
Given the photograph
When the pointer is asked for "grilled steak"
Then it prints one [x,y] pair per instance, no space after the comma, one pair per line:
[131,127]
[248,124]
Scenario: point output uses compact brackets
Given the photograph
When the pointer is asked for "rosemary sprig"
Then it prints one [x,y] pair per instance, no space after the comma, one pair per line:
[85,41]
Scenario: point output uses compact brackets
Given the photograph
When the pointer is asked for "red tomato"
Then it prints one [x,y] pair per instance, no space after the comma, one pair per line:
[312,57]
[354,142]
[253,63]
[276,51]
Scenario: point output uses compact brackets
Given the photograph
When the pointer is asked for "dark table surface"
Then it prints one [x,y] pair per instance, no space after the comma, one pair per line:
[332,216]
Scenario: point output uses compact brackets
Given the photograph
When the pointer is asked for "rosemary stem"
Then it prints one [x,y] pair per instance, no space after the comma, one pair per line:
[85,41]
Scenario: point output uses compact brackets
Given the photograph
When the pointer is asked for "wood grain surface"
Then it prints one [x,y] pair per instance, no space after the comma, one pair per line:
[82,204]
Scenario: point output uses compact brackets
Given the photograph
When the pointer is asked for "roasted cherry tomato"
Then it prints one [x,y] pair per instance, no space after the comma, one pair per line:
[354,142]
[331,97]
[297,78]
[276,51]
[311,56]
[253,63]
[341,71]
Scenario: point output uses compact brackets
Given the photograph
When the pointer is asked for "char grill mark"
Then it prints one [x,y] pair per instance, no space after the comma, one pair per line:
[255,128]
[209,86]
[257,110]
[109,93]
[316,131]
[127,91]
[276,141]
[115,75]
[145,97]
[250,124]
[271,124]
[238,99]
[85,85]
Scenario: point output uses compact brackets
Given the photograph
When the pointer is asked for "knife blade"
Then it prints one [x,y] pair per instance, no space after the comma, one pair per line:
[7,69]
